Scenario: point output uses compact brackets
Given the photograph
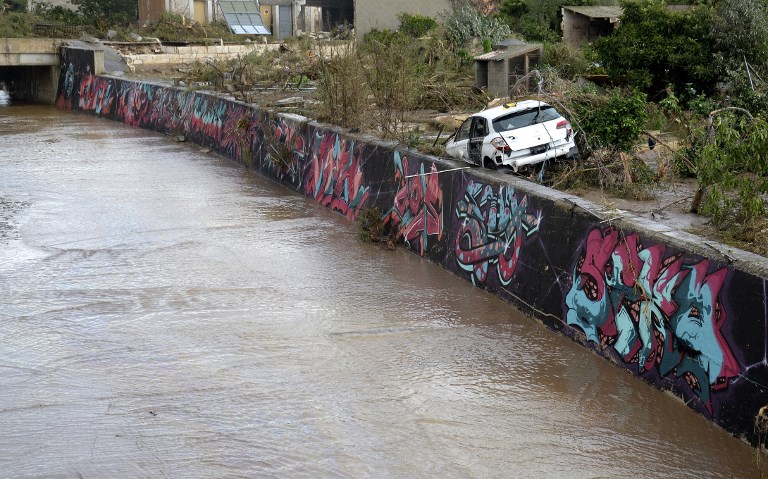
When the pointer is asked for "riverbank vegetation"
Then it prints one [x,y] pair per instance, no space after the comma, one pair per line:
[687,81]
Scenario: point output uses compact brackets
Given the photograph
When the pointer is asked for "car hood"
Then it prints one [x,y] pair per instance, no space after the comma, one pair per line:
[534,135]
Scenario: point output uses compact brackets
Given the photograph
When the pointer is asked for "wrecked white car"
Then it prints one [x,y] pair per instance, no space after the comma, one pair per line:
[516,135]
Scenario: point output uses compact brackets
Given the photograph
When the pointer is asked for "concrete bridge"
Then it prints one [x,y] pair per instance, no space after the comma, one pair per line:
[29,68]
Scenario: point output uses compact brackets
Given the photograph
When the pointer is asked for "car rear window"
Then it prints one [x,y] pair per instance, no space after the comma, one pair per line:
[520,119]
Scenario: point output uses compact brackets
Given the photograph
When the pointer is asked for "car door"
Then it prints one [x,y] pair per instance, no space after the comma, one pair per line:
[458,147]
[476,139]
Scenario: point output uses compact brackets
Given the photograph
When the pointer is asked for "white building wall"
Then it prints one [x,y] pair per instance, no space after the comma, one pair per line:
[375,14]
[185,8]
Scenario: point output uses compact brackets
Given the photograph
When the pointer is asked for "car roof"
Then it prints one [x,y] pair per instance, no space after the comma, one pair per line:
[510,107]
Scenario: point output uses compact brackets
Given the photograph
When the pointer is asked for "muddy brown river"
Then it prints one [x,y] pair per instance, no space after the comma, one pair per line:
[165,313]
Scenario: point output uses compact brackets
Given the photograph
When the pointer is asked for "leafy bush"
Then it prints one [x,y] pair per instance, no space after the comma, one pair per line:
[58,14]
[104,13]
[372,227]
[656,118]
[416,25]
[702,105]
[565,60]
[536,31]
[612,121]
[16,25]
[732,164]
[381,36]
[513,8]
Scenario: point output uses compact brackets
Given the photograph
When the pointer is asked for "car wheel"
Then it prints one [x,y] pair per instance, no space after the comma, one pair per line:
[489,163]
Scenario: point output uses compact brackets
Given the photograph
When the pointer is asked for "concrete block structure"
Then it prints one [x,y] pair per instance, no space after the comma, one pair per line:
[501,69]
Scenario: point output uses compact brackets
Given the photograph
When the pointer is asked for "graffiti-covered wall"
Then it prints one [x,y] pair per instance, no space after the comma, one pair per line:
[684,322]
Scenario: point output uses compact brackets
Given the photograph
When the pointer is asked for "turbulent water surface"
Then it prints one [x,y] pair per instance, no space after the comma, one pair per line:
[165,313]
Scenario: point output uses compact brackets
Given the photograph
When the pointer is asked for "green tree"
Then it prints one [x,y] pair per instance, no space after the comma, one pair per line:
[513,8]
[612,121]
[732,167]
[740,31]
[654,47]
[740,39]
[104,13]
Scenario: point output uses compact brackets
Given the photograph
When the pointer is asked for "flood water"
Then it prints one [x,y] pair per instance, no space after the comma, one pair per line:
[165,313]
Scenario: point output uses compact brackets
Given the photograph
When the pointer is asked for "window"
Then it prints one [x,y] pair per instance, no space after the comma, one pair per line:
[521,119]
[463,132]
[479,127]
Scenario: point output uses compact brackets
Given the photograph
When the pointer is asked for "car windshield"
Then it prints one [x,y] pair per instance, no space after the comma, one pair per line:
[521,119]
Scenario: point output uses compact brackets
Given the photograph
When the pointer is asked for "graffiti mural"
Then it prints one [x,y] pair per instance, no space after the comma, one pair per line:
[237,134]
[66,87]
[682,323]
[334,177]
[285,151]
[493,224]
[417,213]
[653,309]
[135,103]
[95,94]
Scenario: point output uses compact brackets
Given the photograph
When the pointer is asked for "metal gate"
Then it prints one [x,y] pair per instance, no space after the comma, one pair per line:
[286,24]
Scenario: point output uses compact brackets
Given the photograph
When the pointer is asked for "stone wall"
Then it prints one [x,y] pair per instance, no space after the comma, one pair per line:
[660,303]
[169,55]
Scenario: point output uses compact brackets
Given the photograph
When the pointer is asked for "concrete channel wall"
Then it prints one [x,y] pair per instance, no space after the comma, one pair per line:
[685,315]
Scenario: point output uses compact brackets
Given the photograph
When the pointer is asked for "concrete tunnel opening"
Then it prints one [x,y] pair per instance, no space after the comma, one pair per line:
[28,84]
[29,70]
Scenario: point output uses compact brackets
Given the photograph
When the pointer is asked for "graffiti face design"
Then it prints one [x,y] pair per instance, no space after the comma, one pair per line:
[492,231]
[653,310]
[417,212]
[696,325]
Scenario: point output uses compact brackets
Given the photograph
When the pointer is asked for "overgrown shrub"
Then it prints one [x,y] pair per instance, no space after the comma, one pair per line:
[105,13]
[372,228]
[342,89]
[613,121]
[533,30]
[416,25]
[58,14]
[568,62]
[16,25]
[732,168]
